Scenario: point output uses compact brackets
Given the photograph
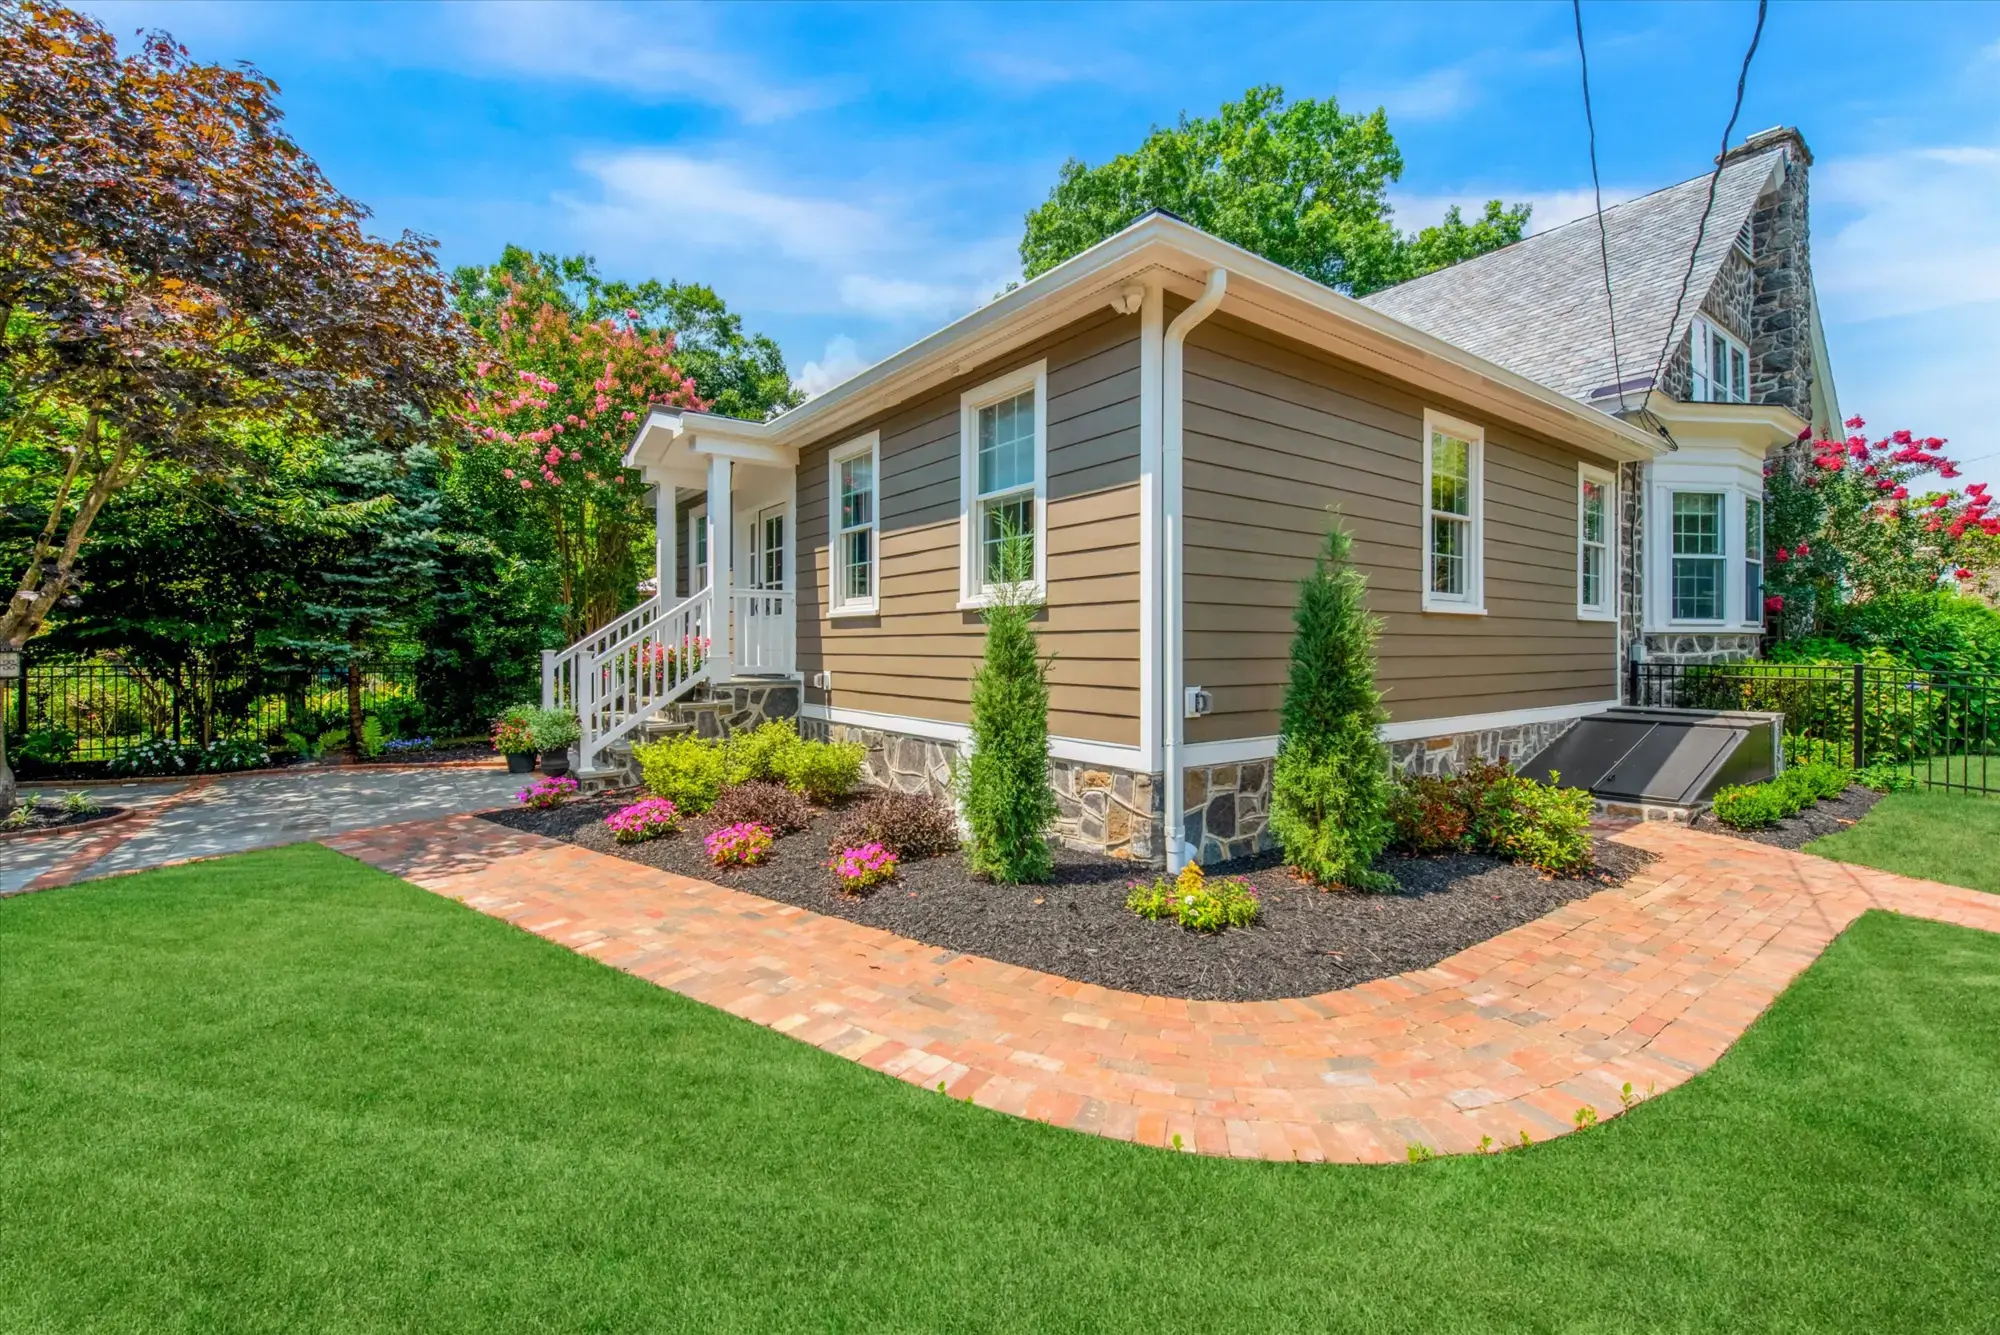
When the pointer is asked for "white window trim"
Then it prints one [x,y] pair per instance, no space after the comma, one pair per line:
[1035,376]
[870,445]
[1608,609]
[1723,517]
[1753,555]
[1701,331]
[697,545]
[1473,602]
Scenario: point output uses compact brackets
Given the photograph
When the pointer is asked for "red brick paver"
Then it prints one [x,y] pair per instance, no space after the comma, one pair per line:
[1645,984]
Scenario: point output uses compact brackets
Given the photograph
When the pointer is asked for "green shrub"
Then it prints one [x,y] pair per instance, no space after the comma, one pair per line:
[1008,803]
[1429,816]
[1537,823]
[911,825]
[759,754]
[1330,787]
[823,771]
[371,737]
[44,746]
[684,769]
[761,802]
[1195,902]
[1886,778]
[1752,806]
[554,729]
[1818,780]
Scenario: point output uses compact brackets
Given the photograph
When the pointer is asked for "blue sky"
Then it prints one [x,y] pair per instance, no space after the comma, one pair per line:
[852,177]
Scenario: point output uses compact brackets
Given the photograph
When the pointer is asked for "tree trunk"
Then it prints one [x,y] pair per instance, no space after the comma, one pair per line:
[353,703]
[9,790]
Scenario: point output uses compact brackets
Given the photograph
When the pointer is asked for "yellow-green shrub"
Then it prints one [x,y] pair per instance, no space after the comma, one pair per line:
[822,771]
[685,770]
[758,754]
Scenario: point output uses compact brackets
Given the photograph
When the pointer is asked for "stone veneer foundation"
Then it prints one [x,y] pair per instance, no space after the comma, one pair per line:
[1682,647]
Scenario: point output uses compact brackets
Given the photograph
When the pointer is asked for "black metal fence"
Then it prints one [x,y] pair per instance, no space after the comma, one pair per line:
[1942,729]
[91,710]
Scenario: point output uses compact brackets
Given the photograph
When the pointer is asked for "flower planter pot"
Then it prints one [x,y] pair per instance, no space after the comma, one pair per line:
[555,762]
[520,762]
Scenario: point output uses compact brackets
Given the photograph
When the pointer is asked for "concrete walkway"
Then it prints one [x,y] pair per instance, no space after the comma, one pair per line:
[208,816]
[1647,984]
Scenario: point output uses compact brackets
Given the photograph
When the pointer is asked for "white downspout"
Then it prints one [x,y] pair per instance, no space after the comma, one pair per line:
[1172,547]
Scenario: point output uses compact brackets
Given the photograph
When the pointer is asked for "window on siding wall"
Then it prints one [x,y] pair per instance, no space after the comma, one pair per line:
[1003,482]
[1753,560]
[1596,501]
[1698,556]
[853,489]
[1454,465]
[1720,366]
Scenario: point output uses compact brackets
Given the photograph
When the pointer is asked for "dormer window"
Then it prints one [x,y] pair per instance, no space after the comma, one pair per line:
[1720,365]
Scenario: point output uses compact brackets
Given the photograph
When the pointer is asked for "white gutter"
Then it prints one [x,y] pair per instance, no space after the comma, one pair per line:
[1152,324]
[1172,547]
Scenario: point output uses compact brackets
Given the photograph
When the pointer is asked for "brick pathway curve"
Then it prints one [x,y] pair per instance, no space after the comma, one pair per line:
[1648,983]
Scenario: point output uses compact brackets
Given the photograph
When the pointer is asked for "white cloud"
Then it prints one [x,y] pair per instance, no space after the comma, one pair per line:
[1434,95]
[896,298]
[655,55]
[1551,208]
[1915,231]
[716,204]
[841,361]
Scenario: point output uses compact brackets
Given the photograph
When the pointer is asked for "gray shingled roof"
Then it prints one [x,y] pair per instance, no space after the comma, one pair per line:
[1537,307]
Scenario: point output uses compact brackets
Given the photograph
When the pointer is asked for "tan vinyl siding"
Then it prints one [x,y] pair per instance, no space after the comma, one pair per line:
[918,655]
[1277,435]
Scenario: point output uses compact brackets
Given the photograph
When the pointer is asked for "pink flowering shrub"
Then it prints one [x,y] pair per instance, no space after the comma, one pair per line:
[652,818]
[858,869]
[744,844]
[547,792]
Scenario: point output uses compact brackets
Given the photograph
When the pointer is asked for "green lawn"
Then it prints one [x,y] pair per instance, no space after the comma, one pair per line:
[1947,837]
[284,1092]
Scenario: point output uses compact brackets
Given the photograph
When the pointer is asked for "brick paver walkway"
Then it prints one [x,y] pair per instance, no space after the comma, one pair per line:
[1648,983]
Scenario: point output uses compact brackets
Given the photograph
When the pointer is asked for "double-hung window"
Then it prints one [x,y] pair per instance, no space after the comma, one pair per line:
[1454,468]
[1003,478]
[853,491]
[1697,555]
[1753,560]
[1720,365]
[698,547]
[1596,500]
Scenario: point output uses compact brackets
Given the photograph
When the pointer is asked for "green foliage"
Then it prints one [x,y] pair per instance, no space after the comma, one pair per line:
[684,769]
[304,745]
[43,746]
[1008,803]
[371,737]
[79,803]
[759,753]
[1537,823]
[160,755]
[911,825]
[1886,779]
[762,802]
[1196,902]
[1939,632]
[823,771]
[514,731]
[1302,184]
[1759,805]
[554,729]
[1330,792]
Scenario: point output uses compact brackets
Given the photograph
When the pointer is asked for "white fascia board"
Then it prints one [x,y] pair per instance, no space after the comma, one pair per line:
[1269,295]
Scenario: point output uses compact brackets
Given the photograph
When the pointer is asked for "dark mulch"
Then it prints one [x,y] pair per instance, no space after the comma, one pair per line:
[1306,941]
[1829,817]
[480,750]
[50,816]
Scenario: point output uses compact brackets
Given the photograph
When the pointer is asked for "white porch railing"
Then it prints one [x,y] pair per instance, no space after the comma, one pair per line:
[617,677]
[765,623]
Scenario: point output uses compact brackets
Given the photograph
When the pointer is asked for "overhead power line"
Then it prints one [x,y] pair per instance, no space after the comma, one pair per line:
[1714,179]
[1597,190]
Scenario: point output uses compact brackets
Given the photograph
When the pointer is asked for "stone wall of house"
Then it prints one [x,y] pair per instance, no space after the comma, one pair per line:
[1781,310]
[1102,810]
[718,711]
[1692,647]
[1631,559]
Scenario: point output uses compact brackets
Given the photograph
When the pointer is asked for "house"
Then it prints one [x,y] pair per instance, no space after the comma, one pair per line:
[1175,422]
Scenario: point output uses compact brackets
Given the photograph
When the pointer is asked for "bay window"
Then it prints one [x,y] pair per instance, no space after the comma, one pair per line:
[1753,560]
[1698,556]
[1719,365]
[1453,483]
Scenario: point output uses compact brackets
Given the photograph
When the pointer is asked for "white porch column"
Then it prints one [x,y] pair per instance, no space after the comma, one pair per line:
[721,546]
[666,534]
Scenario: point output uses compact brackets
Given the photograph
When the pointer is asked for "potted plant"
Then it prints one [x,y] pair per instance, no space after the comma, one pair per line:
[514,738]
[555,731]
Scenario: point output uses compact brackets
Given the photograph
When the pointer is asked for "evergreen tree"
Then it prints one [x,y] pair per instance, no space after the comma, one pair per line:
[1008,803]
[1331,785]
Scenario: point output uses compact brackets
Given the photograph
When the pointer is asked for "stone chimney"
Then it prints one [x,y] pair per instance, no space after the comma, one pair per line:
[1781,370]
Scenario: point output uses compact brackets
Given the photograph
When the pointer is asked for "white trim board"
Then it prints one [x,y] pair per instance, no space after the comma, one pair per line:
[1078,749]
[1239,749]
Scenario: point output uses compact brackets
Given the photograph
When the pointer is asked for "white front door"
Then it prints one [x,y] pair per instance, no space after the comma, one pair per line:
[764,607]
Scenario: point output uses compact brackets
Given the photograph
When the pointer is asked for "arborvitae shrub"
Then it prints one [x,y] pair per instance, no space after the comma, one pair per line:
[1009,805]
[1330,794]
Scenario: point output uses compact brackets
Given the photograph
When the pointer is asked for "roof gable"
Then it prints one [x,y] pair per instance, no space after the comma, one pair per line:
[1537,307]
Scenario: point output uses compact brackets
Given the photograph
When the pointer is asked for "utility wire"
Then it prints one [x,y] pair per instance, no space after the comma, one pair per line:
[1597,189]
[1714,179]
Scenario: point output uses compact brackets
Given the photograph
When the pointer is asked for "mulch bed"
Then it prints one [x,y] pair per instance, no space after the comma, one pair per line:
[48,816]
[1306,941]
[481,750]
[1828,817]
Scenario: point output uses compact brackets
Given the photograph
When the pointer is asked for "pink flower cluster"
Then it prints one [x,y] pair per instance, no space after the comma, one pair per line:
[744,844]
[859,868]
[649,819]
[547,792]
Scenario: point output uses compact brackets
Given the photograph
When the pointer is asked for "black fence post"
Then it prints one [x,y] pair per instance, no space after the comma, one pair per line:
[1860,714]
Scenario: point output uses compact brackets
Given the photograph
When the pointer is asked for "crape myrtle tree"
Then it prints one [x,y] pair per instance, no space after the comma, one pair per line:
[1855,518]
[173,267]
[1303,184]
[1330,786]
